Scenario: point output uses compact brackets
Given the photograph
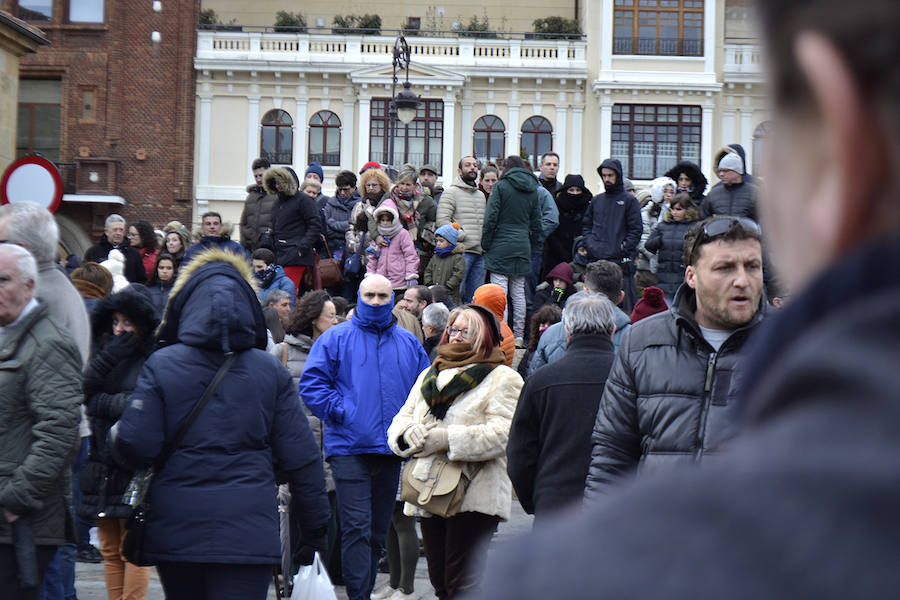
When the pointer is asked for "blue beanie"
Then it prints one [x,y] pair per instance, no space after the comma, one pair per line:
[317,169]
[449,233]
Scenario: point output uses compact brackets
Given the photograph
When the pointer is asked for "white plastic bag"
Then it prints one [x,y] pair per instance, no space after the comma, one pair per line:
[312,583]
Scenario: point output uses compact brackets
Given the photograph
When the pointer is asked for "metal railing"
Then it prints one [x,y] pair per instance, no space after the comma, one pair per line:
[658,46]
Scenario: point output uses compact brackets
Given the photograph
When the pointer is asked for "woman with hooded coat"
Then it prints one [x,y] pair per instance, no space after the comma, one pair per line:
[667,242]
[689,179]
[213,525]
[122,327]
[572,200]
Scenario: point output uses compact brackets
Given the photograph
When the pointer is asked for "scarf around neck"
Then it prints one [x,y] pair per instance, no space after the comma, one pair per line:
[452,356]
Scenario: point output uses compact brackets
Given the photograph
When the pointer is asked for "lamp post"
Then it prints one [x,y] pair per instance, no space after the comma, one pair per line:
[403,106]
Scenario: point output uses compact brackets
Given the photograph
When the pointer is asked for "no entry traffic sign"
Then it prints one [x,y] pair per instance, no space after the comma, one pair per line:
[32,179]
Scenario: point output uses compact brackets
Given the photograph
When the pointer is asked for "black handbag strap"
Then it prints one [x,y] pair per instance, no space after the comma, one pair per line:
[169,447]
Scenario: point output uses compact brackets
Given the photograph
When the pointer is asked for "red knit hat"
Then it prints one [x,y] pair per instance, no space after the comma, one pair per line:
[370,165]
[651,302]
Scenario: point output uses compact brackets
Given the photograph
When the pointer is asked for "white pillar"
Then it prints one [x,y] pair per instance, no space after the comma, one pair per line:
[606,35]
[574,160]
[447,165]
[561,139]
[362,140]
[605,129]
[347,137]
[465,131]
[512,131]
[747,130]
[709,37]
[727,127]
[706,150]
[205,132]
[300,140]
[252,133]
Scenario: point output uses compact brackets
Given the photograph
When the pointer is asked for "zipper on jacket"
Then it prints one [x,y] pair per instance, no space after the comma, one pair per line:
[704,414]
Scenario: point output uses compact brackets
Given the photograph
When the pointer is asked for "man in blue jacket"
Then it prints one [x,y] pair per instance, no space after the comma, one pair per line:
[356,378]
[612,226]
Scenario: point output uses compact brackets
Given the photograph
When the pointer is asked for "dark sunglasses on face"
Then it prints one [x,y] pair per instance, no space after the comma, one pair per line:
[719,226]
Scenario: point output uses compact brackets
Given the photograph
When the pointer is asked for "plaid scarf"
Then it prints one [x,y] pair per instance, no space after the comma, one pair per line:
[450,356]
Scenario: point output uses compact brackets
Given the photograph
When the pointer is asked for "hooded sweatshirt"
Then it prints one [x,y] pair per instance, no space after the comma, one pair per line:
[612,224]
[512,224]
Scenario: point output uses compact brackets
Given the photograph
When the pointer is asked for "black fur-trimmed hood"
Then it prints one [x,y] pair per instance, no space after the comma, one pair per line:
[135,302]
[280,175]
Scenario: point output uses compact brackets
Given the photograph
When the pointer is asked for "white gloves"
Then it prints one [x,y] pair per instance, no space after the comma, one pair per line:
[415,435]
[436,441]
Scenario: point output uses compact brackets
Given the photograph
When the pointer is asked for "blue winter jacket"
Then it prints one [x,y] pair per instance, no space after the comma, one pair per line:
[357,377]
[280,282]
[214,500]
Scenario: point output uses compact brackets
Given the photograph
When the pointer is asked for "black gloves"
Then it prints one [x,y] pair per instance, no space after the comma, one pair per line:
[310,543]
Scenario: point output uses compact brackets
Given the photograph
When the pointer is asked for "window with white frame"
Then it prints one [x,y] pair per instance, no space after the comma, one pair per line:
[649,139]
[277,137]
[658,27]
[325,139]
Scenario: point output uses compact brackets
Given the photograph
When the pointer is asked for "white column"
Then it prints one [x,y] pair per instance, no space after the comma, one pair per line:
[347,137]
[561,139]
[605,129]
[606,35]
[362,140]
[574,160]
[512,131]
[709,37]
[204,145]
[447,165]
[300,139]
[706,150]
[465,131]
[747,130]
[252,132]
[727,127]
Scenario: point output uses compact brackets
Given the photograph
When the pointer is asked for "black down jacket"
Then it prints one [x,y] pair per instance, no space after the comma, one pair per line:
[296,224]
[667,398]
[667,242]
[108,381]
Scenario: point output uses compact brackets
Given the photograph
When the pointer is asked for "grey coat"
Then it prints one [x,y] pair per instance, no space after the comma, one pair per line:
[40,396]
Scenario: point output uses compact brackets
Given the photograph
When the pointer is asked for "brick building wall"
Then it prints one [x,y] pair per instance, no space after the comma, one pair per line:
[140,139]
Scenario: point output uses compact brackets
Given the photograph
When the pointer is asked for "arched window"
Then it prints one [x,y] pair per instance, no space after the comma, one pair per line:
[277,139]
[760,134]
[490,138]
[325,139]
[537,138]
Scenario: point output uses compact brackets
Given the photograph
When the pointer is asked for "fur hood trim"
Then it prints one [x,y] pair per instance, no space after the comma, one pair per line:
[201,259]
[280,175]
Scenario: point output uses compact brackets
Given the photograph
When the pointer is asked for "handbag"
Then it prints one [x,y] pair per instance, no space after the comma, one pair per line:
[443,491]
[138,489]
[330,271]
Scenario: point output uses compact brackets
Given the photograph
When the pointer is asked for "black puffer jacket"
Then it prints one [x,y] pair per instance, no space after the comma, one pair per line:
[295,220]
[109,380]
[668,398]
[735,200]
[134,264]
[667,242]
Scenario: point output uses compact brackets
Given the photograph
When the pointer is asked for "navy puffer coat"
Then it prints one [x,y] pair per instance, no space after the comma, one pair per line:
[214,500]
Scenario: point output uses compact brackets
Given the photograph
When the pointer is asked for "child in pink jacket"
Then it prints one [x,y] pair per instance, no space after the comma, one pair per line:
[398,261]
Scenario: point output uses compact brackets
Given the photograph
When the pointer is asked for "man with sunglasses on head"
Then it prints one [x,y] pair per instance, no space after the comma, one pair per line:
[668,397]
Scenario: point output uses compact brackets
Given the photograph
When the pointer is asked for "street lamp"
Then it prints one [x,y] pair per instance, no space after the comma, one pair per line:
[404,105]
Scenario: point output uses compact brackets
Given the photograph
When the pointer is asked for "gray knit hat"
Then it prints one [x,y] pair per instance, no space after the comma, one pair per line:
[732,162]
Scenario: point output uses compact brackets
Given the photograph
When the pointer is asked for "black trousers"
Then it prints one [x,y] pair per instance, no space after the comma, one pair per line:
[455,549]
[199,581]
[9,576]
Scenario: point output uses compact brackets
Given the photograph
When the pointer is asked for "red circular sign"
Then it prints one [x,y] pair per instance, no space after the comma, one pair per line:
[32,179]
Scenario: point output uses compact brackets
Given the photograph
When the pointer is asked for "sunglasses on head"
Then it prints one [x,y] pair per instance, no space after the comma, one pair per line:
[719,226]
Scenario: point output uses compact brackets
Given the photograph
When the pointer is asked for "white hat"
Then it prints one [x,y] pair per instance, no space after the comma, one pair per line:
[732,162]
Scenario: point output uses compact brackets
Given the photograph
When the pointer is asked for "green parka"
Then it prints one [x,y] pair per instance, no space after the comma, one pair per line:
[512,224]
[40,395]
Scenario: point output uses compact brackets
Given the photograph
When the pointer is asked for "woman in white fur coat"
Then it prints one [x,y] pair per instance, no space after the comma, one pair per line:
[462,406]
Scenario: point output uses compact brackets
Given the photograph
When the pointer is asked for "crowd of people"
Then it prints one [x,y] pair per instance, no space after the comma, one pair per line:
[671,432]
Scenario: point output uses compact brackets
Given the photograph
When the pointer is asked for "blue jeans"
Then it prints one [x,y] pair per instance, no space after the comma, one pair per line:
[537,258]
[474,275]
[59,579]
[366,486]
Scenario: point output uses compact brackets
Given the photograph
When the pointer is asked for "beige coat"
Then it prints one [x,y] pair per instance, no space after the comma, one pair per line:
[465,205]
[477,428]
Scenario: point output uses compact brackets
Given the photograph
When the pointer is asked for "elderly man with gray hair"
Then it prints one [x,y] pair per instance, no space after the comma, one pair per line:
[434,321]
[40,392]
[114,239]
[550,438]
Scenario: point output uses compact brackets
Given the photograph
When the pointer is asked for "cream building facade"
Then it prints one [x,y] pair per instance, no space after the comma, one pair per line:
[651,82]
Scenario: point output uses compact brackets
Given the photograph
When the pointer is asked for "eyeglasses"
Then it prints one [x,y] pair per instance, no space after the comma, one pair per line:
[719,226]
[452,331]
